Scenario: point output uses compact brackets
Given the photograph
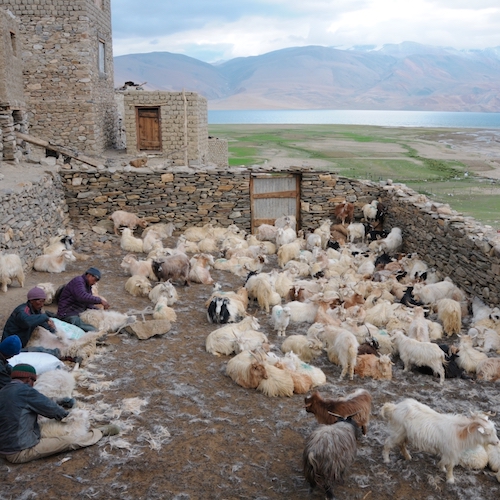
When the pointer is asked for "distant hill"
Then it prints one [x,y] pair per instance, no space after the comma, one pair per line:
[406,76]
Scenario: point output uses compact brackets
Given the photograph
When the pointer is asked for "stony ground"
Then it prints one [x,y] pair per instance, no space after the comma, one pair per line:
[189,432]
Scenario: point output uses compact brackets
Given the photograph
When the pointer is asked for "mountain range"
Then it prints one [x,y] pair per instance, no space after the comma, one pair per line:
[406,76]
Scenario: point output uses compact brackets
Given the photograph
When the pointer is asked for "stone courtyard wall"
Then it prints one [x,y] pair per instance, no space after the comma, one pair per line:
[457,246]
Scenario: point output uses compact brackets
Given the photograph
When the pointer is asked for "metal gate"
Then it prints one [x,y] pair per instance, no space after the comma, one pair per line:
[272,196]
[148,129]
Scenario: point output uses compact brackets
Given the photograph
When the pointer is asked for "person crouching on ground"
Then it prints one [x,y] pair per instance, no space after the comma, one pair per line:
[26,317]
[77,297]
[8,348]
[20,405]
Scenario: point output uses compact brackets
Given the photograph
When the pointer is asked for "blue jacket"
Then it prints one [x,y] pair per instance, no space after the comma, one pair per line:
[20,406]
[23,320]
[5,371]
[76,297]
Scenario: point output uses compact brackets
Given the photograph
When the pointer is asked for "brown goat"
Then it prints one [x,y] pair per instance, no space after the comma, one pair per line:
[344,212]
[172,267]
[358,403]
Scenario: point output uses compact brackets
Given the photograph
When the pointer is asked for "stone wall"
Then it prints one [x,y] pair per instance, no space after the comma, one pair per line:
[218,152]
[71,100]
[31,213]
[172,115]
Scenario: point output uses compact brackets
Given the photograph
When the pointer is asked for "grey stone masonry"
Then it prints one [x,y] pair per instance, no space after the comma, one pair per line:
[68,71]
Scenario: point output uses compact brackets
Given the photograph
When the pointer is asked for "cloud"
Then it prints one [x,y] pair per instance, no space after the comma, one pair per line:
[223,29]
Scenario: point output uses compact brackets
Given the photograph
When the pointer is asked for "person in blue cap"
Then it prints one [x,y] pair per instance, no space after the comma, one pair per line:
[9,347]
[77,297]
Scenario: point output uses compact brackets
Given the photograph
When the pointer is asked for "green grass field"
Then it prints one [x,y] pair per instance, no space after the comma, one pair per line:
[375,153]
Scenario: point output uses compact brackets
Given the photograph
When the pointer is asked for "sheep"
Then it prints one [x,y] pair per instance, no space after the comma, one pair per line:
[305,348]
[163,311]
[222,341]
[165,289]
[130,243]
[450,315]
[370,365]
[415,353]
[172,267]
[200,269]
[327,411]
[138,267]
[329,452]
[105,320]
[469,358]
[138,286]
[280,318]
[446,435]
[50,291]
[344,212]
[488,370]
[11,268]
[53,263]
[123,218]
[419,329]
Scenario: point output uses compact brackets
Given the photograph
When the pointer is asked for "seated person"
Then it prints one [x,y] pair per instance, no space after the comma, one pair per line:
[8,348]
[20,405]
[77,297]
[28,316]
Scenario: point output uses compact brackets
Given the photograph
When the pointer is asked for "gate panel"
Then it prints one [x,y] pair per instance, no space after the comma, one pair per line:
[148,129]
[272,196]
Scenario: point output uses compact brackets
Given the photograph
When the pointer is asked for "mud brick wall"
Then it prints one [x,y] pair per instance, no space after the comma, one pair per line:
[218,152]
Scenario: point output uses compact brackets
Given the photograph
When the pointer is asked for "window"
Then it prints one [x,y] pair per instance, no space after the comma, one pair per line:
[13,42]
[102,57]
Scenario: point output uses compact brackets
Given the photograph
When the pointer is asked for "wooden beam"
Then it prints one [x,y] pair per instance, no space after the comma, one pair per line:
[60,149]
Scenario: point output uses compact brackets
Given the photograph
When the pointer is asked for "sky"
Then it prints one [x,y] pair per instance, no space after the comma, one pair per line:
[219,30]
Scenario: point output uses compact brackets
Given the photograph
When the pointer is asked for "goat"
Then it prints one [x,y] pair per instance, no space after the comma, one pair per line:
[226,307]
[50,291]
[261,287]
[306,348]
[138,267]
[391,244]
[172,267]
[163,311]
[488,370]
[266,232]
[130,243]
[327,411]
[280,318]
[222,341]
[356,231]
[285,235]
[106,321]
[53,263]
[165,289]
[11,268]
[344,212]
[450,315]
[446,435]
[419,329]
[468,357]
[329,452]
[343,351]
[151,240]
[415,353]
[57,385]
[123,218]
[286,221]
[370,211]
[76,425]
[138,286]
[200,269]
[378,368]
[430,294]
[451,368]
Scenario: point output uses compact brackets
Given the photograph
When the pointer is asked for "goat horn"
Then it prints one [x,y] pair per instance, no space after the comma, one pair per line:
[335,415]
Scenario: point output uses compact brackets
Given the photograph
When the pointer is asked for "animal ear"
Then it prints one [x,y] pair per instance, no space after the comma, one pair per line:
[481,430]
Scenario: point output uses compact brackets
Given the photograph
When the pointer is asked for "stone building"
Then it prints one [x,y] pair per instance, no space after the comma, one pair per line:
[67,70]
[172,125]
[12,102]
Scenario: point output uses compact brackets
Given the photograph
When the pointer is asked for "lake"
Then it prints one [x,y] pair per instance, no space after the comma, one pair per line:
[356,117]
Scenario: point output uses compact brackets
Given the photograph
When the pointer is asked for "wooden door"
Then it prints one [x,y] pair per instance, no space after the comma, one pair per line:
[272,196]
[148,129]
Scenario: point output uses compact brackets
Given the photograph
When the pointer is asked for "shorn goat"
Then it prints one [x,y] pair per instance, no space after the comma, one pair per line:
[446,435]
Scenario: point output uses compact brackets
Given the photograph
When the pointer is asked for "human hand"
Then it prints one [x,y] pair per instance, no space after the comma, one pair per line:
[105,304]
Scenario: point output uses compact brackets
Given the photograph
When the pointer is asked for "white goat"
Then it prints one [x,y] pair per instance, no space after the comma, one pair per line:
[280,318]
[138,286]
[123,218]
[11,268]
[138,267]
[419,328]
[53,263]
[468,357]
[223,340]
[163,311]
[306,348]
[165,289]
[106,321]
[446,435]
[130,243]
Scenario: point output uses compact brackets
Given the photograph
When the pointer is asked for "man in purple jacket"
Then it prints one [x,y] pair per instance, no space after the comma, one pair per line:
[77,297]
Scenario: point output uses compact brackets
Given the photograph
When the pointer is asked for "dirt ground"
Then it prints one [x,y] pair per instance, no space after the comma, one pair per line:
[194,434]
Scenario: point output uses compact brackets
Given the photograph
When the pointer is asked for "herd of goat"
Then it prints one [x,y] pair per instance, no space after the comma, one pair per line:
[360,300]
